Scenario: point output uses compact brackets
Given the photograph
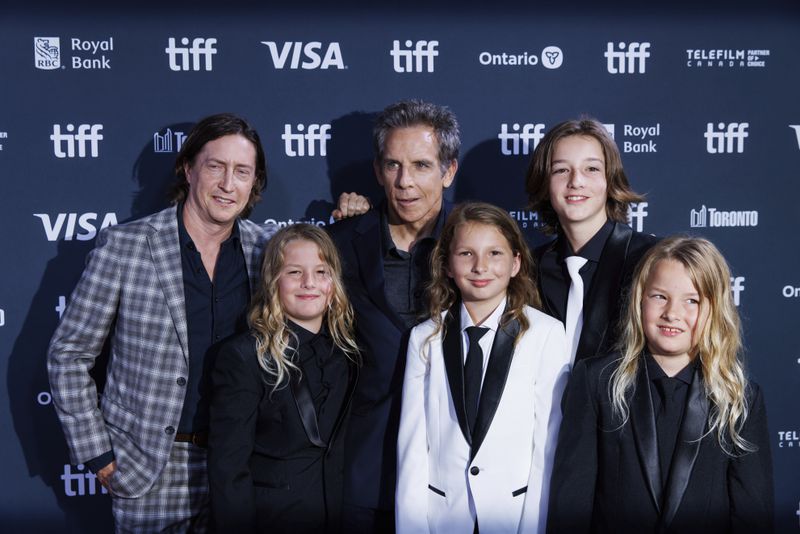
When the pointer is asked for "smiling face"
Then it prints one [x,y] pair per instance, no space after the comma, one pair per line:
[410,174]
[481,263]
[673,313]
[578,188]
[304,284]
[220,180]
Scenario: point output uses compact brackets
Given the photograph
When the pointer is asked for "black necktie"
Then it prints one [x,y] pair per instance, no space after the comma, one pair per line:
[473,373]
[668,420]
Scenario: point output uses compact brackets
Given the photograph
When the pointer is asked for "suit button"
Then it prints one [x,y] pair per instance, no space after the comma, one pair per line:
[181,381]
[171,430]
[474,470]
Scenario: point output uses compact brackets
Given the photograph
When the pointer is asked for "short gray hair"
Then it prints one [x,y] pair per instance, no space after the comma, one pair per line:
[407,113]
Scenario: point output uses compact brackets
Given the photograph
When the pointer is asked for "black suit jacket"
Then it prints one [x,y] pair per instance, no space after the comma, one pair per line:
[606,473]
[269,470]
[606,298]
[371,462]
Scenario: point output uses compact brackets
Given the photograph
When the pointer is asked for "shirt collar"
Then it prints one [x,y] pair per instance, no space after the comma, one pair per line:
[592,250]
[387,241]
[655,371]
[305,336]
[184,239]
[492,322]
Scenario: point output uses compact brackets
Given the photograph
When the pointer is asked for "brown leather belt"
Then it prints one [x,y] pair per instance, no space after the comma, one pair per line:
[196,438]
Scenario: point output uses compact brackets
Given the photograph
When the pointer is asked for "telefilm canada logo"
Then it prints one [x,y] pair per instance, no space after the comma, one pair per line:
[714,218]
[309,55]
[726,57]
[789,439]
[551,57]
[85,54]
[526,218]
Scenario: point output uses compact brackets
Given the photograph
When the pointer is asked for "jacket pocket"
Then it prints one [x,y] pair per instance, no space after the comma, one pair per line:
[517,493]
[436,490]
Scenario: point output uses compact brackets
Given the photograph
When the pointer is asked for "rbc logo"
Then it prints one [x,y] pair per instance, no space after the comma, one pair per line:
[179,55]
[510,141]
[85,221]
[415,57]
[722,141]
[305,144]
[87,133]
[630,61]
[636,213]
[310,54]
[47,52]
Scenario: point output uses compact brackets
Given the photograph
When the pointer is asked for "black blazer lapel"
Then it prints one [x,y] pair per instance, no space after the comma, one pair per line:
[643,422]
[601,301]
[305,408]
[454,365]
[494,381]
[370,265]
[545,289]
[695,417]
[348,396]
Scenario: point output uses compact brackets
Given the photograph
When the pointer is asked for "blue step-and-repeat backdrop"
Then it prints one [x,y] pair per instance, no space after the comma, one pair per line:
[703,101]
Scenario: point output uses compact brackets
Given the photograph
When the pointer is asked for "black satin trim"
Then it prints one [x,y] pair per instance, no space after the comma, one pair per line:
[643,422]
[436,490]
[517,493]
[453,363]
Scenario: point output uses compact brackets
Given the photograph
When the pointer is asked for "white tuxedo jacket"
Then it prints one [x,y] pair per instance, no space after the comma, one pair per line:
[501,473]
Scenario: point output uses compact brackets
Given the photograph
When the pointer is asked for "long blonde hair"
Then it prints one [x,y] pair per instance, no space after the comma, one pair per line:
[719,343]
[276,344]
[442,291]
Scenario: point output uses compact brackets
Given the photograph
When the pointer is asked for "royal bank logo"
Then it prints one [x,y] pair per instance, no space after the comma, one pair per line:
[627,58]
[82,482]
[611,129]
[308,56]
[168,142]
[640,139]
[637,211]
[796,128]
[526,219]
[726,58]
[414,57]
[310,140]
[550,58]
[47,53]
[75,226]
[726,138]
[85,54]
[73,142]
[714,218]
[195,57]
[520,139]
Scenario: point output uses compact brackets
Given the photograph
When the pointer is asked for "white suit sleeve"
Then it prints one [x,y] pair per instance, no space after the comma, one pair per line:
[411,499]
[550,381]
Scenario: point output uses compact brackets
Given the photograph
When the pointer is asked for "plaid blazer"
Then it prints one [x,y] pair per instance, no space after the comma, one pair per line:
[133,284]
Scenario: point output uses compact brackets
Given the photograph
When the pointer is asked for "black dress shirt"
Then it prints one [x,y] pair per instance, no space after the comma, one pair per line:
[406,273]
[554,267]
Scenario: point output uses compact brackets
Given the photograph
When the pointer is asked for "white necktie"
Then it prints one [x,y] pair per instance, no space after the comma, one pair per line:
[574,304]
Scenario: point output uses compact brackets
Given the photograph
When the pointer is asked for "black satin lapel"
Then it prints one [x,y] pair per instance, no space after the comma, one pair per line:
[352,378]
[693,425]
[454,365]
[368,249]
[545,289]
[494,381]
[604,294]
[305,407]
[643,421]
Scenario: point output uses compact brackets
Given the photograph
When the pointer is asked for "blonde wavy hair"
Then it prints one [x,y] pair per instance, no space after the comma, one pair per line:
[718,338]
[442,291]
[276,344]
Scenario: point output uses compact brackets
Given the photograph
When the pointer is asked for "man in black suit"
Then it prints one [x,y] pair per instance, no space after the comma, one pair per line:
[577,184]
[385,255]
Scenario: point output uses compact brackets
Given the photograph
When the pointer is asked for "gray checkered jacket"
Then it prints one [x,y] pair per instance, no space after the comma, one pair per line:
[133,283]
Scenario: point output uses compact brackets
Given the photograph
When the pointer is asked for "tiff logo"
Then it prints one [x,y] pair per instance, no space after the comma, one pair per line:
[62,306]
[308,52]
[415,57]
[179,55]
[85,221]
[628,61]
[637,211]
[305,144]
[86,482]
[511,142]
[87,133]
[168,142]
[737,286]
[796,128]
[722,141]
[2,317]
